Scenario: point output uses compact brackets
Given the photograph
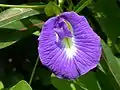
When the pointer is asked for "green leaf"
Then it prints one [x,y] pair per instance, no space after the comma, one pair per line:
[37,33]
[25,24]
[81,5]
[107,13]
[62,84]
[22,6]
[104,82]
[118,60]
[9,38]
[18,30]
[112,66]
[21,85]
[52,9]
[11,79]
[5,44]
[88,81]
[1,85]
[13,14]
[117,44]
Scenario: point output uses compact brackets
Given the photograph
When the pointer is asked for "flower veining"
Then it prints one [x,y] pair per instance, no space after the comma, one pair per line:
[68,46]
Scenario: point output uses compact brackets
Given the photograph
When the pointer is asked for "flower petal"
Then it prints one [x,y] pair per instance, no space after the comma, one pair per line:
[72,62]
[86,41]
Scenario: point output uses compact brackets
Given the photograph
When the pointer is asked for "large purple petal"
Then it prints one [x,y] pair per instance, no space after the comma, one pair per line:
[86,40]
[84,54]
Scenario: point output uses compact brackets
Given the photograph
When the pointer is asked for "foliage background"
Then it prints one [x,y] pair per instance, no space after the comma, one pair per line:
[20,26]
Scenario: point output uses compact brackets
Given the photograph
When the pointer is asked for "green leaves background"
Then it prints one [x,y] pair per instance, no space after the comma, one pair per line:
[20,26]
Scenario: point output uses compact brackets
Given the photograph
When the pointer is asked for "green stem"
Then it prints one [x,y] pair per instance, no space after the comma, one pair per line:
[80,84]
[33,72]
[81,5]
[22,6]
[60,3]
[70,3]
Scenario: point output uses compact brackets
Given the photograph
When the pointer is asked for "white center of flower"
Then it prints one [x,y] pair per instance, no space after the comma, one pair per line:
[70,52]
[64,36]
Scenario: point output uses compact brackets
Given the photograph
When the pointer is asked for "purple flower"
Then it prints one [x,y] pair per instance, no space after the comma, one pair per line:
[68,46]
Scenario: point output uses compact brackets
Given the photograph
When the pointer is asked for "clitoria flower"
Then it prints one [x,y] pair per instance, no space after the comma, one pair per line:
[68,46]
